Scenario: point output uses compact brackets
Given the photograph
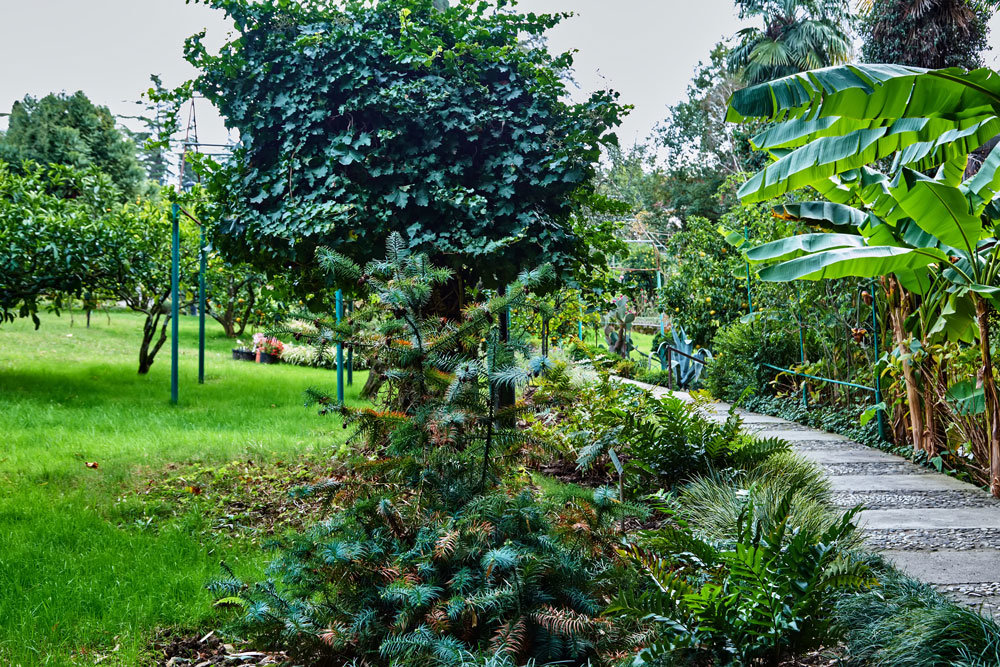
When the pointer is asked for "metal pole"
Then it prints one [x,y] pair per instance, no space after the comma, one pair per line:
[340,350]
[175,278]
[746,237]
[350,352]
[202,268]
[670,371]
[659,286]
[880,414]
[802,345]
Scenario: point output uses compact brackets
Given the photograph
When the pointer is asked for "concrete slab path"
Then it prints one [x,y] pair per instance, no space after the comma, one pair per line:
[932,526]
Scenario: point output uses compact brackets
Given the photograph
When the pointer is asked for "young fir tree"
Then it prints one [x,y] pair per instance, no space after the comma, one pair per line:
[430,561]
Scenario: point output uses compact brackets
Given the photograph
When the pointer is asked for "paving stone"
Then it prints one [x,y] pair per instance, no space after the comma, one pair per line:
[897,483]
[849,455]
[934,518]
[934,527]
[951,567]
[901,467]
[959,539]
[795,434]
[914,499]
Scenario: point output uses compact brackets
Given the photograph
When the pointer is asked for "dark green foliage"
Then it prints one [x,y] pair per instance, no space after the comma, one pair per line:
[766,595]
[358,119]
[935,35]
[71,130]
[386,581]
[906,623]
[740,348]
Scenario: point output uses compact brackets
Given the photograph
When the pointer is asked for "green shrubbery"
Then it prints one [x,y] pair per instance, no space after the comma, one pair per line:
[740,349]
[765,595]
[442,551]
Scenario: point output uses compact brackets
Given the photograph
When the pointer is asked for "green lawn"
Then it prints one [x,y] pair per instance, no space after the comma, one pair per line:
[81,570]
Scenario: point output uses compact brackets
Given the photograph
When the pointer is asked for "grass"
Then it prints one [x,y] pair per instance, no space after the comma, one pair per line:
[79,573]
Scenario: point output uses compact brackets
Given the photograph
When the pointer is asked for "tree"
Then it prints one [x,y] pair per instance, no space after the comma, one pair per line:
[71,130]
[924,33]
[151,153]
[232,292]
[52,234]
[136,267]
[359,119]
[798,35]
[933,235]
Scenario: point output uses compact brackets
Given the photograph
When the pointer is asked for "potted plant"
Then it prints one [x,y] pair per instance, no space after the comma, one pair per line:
[242,353]
[268,349]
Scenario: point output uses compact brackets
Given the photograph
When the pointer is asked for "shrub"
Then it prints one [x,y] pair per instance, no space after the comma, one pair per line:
[307,355]
[714,503]
[386,581]
[766,595]
[906,623]
[740,349]
[665,441]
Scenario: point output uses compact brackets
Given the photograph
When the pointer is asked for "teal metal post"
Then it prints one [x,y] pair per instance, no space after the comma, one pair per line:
[350,352]
[746,237]
[880,413]
[340,350]
[202,268]
[579,323]
[802,344]
[659,286]
[175,279]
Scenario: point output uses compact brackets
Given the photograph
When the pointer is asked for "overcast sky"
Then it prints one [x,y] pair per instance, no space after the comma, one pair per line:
[645,49]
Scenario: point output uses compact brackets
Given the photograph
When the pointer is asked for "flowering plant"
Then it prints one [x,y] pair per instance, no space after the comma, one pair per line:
[267,345]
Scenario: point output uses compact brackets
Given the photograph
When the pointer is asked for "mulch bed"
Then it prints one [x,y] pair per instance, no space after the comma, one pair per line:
[176,650]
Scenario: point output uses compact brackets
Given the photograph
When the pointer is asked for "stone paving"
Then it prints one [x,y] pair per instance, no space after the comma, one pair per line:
[933,527]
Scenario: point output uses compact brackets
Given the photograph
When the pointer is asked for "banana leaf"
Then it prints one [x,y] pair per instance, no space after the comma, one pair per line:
[867,262]
[829,215]
[871,92]
[803,244]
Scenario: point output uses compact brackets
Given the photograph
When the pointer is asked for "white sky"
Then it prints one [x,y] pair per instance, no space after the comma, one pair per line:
[645,49]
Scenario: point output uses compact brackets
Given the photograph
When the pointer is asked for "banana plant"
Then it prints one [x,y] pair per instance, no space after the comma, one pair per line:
[925,223]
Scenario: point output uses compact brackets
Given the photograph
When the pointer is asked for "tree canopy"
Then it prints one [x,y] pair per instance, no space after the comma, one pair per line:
[797,35]
[448,125]
[51,233]
[71,130]
[935,34]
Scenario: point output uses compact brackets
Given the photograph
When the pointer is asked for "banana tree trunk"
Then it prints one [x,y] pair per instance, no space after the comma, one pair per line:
[990,395]
[898,315]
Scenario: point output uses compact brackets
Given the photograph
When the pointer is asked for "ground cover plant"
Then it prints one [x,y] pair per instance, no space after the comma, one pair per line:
[94,557]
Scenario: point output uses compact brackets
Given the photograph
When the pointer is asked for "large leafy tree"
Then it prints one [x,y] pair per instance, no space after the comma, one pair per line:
[51,234]
[447,124]
[797,35]
[924,33]
[926,223]
[71,130]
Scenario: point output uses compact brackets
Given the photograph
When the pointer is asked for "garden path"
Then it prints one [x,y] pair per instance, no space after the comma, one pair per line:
[932,526]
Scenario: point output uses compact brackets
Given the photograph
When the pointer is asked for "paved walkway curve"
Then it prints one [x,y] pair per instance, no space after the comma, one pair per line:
[932,526]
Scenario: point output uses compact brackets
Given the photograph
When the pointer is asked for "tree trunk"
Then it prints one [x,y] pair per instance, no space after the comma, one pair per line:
[148,349]
[990,394]
[898,314]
